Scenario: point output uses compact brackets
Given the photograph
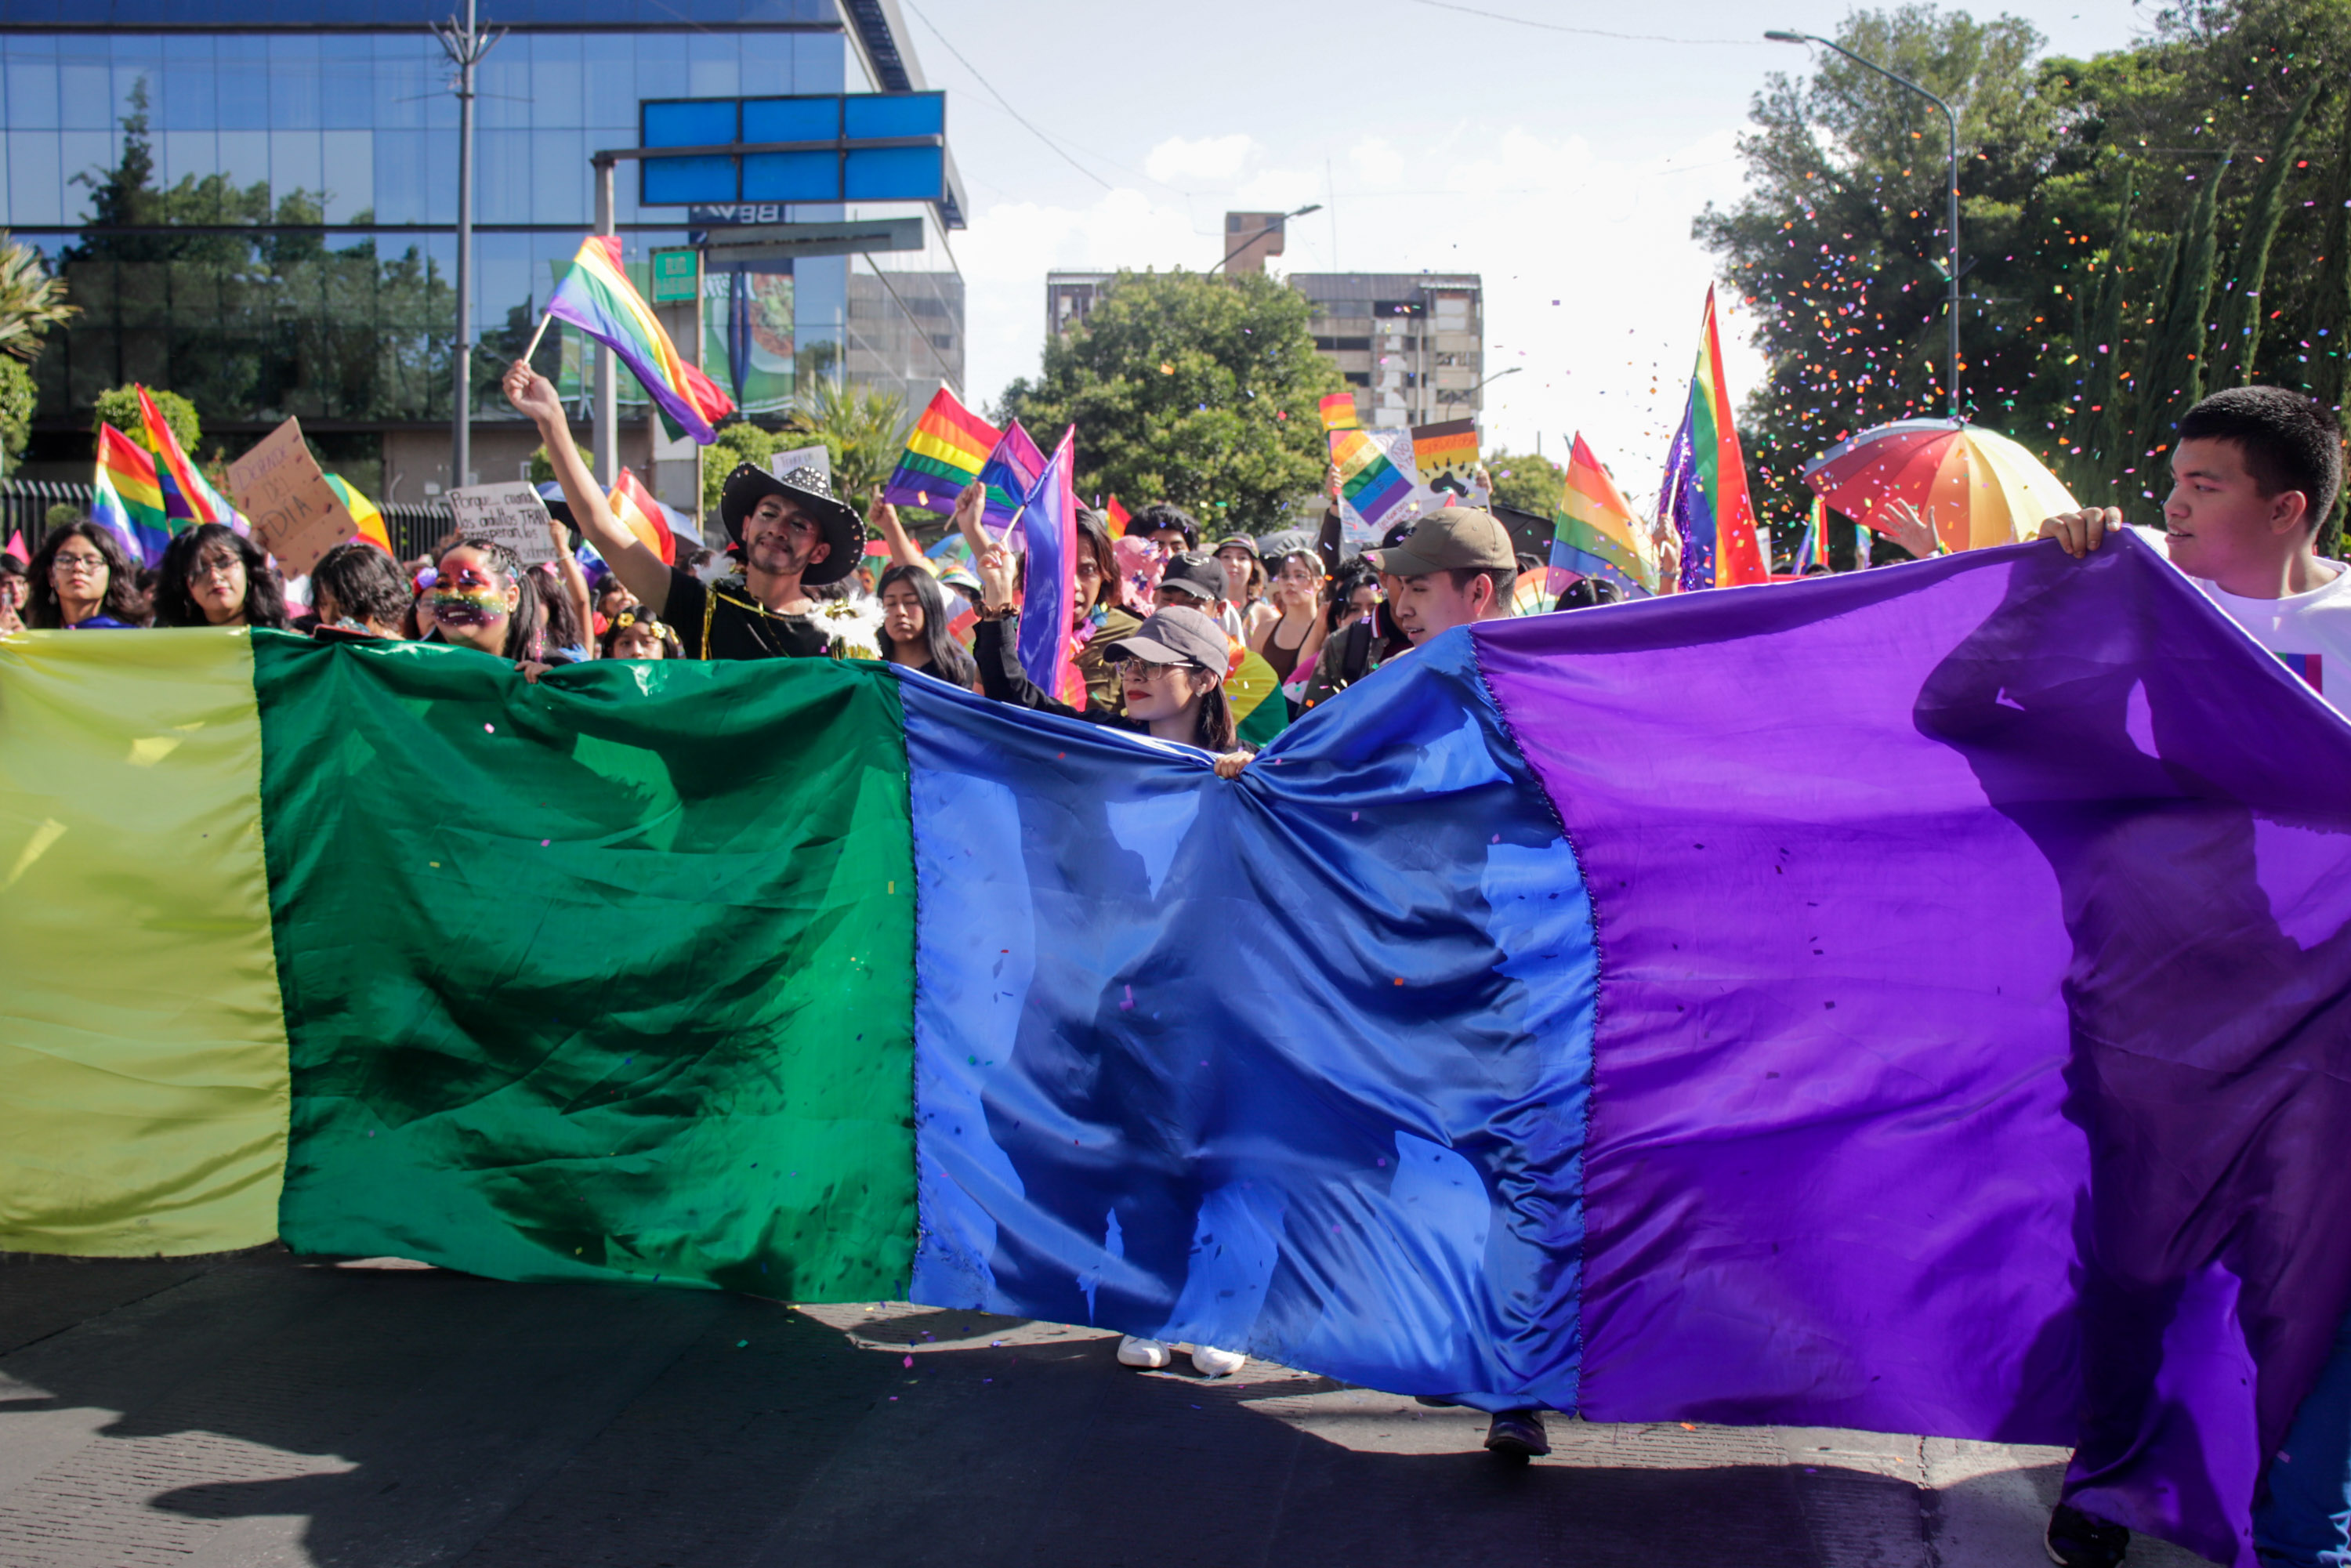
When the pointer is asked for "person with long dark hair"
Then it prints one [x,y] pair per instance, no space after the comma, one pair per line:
[211,575]
[915,627]
[81,580]
[482,598]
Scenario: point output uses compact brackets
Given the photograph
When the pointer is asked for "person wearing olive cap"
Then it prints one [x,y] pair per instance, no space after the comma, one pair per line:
[793,532]
[1455,566]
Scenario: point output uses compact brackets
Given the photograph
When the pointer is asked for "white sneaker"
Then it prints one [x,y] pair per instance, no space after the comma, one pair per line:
[1210,1362]
[1147,1353]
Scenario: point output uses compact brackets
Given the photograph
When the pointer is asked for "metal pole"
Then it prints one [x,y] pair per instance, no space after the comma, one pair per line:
[465,46]
[608,390]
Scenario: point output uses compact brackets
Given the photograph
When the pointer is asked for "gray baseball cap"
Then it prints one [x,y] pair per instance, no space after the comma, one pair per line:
[1451,538]
[1174,636]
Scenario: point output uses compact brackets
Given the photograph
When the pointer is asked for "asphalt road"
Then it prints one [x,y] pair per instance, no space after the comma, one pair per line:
[264,1410]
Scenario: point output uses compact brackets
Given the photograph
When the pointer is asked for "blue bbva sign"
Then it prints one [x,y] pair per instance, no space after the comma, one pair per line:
[855,147]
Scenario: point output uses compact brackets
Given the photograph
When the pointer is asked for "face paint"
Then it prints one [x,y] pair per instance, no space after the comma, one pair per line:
[467,598]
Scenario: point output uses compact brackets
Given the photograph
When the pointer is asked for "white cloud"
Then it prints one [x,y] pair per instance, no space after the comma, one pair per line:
[1179,159]
[1543,219]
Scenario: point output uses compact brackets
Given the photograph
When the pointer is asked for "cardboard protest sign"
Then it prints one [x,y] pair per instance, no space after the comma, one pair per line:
[511,513]
[817,457]
[295,514]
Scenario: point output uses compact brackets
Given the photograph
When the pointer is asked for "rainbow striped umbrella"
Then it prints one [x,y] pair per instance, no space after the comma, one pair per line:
[1976,486]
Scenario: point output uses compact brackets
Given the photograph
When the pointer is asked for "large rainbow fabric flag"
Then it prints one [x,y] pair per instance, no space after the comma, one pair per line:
[1012,471]
[1952,1057]
[127,499]
[1705,493]
[1370,484]
[945,452]
[635,509]
[187,496]
[597,296]
[1592,532]
[1048,585]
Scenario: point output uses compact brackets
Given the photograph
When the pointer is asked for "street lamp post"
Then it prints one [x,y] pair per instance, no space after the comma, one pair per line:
[1309,207]
[1952,119]
[466,46]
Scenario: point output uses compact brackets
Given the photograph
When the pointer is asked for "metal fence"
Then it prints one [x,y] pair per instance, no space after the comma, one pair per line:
[26,506]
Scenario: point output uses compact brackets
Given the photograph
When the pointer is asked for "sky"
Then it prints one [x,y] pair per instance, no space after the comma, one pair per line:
[1562,162]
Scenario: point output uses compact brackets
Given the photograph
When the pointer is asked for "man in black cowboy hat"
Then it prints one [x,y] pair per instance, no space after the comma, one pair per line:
[793,535]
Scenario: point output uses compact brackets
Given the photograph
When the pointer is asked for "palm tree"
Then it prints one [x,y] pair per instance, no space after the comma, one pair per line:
[862,430]
[31,300]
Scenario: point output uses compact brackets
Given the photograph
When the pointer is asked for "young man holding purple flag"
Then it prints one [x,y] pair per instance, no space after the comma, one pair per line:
[2254,473]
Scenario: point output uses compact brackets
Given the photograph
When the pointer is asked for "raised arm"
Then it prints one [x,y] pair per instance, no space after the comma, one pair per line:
[903,548]
[575,582]
[638,567]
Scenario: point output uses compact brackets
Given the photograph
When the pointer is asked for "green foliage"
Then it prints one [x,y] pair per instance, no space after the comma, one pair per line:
[63,514]
[17,395]
[31,300]
[119,406]
[1196,389]
[1528,481]
[738,443]
[542,468]
[2110,237]
[864,430]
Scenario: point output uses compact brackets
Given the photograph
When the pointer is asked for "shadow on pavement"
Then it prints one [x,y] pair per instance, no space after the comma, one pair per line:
[267,1409]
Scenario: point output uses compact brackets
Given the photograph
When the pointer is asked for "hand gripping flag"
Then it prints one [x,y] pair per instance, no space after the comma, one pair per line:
[1705,493]
[597,296]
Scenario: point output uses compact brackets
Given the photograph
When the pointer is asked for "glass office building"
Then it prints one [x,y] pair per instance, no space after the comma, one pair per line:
[253,203]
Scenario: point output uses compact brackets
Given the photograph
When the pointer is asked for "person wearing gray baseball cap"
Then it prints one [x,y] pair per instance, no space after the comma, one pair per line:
[1455,567]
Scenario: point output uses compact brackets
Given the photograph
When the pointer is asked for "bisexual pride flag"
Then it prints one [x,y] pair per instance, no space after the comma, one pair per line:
[1012,471]
[1049,592]
[1705,492]
[1960,1051]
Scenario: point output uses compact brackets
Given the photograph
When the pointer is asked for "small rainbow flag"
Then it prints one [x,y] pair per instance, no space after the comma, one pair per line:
[363,512]
[1808,548]
[1012,470]
[945,452]
[1339,412]
[1705,493]
[1118,517]
[1367,479]
[634,509]
[1452,445]
[597,296]
[1594,534]
[130,499]
[186,495]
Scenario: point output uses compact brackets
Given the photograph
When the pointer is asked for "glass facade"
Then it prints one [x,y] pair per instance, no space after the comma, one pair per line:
[264,220]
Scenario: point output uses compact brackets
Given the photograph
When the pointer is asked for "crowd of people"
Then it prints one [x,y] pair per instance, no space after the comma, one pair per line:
[1161,624]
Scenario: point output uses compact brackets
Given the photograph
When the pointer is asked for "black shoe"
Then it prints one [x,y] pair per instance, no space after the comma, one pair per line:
[1518,1436]
[2077,1541]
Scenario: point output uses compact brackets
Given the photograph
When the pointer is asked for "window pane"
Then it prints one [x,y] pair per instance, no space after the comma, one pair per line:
[557,99]
[560,191]
[36,191]
[346,83]
[400,177]
[294,84]
[660,66]
[295,165]
[347,166]
[714,70]
[90,153]
[243,81]
[503,80]
[32,83]
[501,177]
[85,84]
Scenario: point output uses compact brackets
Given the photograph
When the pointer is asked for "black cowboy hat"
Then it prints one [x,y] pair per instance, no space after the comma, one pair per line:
[812,492]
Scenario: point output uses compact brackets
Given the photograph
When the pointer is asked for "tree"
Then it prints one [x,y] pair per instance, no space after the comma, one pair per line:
[542,470]
[31,300]
[119,406]
[1529,481]
[862,431]
[17,396]
[1184,387]
[738,443]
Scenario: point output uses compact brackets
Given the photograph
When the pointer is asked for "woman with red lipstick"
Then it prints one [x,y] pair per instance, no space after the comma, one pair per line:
[213,576]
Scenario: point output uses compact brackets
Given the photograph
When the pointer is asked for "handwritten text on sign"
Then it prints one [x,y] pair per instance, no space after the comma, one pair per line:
[512,514]
[295,514]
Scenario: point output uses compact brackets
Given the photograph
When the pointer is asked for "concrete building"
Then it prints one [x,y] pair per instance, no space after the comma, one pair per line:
[1411,345]
[253,203]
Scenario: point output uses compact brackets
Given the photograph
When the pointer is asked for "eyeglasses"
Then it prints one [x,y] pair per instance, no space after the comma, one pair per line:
[77,563]
[216,566]
[1145,670]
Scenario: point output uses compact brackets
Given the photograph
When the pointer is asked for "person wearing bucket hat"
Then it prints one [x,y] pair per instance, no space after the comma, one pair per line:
[792,534]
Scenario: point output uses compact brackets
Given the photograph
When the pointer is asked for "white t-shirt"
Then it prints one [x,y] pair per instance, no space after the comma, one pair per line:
[2309,633]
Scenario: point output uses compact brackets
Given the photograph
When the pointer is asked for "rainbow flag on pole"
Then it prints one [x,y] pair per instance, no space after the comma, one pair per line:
[945,452]
[634,509]
[186,495]
[1705,493]
[129,498]
[597,296]
[1594,532]
[1370,483]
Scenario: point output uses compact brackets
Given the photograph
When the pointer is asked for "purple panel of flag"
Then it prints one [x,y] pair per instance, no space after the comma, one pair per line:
[1049,522]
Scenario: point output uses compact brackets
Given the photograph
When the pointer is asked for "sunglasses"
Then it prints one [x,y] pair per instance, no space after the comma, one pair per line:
[1132,669]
